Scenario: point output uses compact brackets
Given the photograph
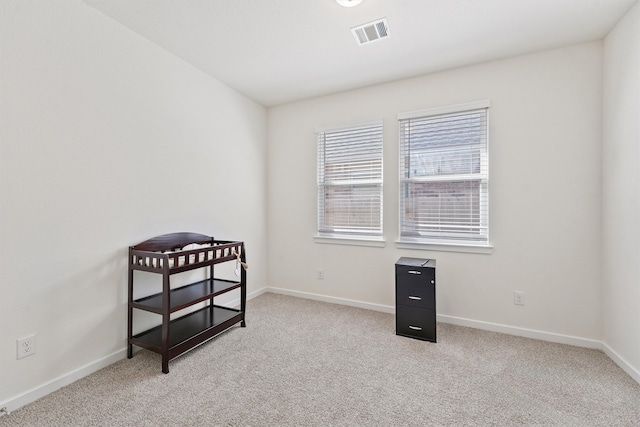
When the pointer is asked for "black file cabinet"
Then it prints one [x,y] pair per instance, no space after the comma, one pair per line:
[416,298]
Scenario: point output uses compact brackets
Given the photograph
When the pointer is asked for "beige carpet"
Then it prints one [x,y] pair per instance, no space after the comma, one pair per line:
[307,363]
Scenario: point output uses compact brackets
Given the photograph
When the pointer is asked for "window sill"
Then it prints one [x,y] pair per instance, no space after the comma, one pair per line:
[445,247]
[377,242]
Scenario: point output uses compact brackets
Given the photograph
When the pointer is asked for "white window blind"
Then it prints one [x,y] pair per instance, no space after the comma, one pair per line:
[444,175]
[350,181]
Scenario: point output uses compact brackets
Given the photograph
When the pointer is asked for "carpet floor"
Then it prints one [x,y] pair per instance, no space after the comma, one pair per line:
[308,363]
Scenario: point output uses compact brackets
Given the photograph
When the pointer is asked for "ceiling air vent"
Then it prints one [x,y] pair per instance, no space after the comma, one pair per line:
[373,31]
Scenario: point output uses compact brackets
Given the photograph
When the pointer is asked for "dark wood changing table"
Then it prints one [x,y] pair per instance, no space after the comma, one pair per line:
[165,256]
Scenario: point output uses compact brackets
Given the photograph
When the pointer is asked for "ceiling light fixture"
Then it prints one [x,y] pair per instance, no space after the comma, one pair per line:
[348,3]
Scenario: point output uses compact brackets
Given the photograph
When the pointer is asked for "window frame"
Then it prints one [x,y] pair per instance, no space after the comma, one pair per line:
[446,240]
[346,235]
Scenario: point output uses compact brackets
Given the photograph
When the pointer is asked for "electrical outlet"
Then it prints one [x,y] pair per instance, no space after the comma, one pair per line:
[518,298]
[26,346]
[320,274]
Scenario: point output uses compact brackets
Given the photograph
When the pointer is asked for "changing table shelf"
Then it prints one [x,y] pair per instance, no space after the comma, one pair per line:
[174,253]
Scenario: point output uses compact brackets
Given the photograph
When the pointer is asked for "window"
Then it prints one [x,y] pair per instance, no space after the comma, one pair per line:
[444,175]
[350,182]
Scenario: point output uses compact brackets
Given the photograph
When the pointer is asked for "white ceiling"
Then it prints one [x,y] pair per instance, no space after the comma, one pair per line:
[278,51]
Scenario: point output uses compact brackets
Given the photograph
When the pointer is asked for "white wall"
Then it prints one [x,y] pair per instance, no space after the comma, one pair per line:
[621,190]
[106,140]
[545,194]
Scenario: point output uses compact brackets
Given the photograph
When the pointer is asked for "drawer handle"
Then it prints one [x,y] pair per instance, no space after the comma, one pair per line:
[415,328]
[415,298]
[414,272]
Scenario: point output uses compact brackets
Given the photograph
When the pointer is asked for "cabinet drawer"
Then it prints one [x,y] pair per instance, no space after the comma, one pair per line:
[416,292]
[416,322]
[424,273]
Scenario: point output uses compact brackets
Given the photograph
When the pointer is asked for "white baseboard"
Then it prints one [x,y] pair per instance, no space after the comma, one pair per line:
[49,387]
[335,300]
[61,381]
[621,362]
[66,379]
[487,326]
[521,332]
[494,327]
[235,302]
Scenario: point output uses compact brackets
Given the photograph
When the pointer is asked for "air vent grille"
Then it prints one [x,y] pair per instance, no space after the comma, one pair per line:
[372,31]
